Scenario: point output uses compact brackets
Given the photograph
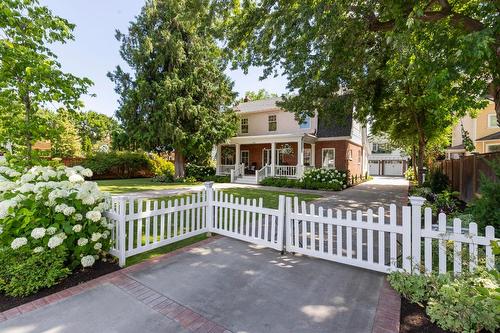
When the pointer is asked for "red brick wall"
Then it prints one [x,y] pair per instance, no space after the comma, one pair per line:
[341,149]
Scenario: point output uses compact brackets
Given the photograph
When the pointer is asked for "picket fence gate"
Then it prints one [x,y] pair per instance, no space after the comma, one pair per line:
[381,241]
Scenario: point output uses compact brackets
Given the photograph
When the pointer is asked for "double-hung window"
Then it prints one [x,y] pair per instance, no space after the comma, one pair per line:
[492,121]
[306,123]
[328,158]
[244,125]
[272,124]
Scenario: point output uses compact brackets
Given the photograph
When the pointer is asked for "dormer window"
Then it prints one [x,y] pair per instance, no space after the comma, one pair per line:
[306,123]
[272,124]
[244,125]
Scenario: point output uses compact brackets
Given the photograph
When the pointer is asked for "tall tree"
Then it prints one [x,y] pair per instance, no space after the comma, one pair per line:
[177,92]
[67,142]
[93,129]
[416,65]
[30,76]
[257,95]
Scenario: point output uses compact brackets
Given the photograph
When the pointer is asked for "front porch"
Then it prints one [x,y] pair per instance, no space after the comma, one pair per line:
[254,158]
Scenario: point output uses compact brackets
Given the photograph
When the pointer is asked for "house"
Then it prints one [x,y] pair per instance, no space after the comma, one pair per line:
[483,131]
[271,142]
[383,159]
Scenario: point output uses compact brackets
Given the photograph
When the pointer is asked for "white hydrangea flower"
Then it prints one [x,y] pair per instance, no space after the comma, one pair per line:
[111,226]
[54,242]
[18,242]
[38,249]
[87,261]
[69,211]
[97,246]
[62,235]
[93,215]
[77,228]
[82,241]
[86,173]
[51,230]
[95,236]
[5,205]
[78,217]
[26,188]
[38,233]
[75,178]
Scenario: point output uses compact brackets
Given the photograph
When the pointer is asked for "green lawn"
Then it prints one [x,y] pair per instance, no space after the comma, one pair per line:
[270,200]
[120,186]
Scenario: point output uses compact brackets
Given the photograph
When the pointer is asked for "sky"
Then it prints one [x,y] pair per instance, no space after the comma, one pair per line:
[94,52]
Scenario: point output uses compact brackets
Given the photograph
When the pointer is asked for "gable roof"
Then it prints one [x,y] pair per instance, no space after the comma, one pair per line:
[258,106]
[494,136]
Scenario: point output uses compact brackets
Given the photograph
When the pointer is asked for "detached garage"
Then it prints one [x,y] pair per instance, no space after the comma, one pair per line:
[387,167]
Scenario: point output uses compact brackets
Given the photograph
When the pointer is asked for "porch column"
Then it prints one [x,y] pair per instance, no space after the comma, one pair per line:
[219,159]
[300,157]
[238,155]
[273,158]
[313,154]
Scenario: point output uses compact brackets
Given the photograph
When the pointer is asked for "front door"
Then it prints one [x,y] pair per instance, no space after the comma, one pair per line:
[266,156]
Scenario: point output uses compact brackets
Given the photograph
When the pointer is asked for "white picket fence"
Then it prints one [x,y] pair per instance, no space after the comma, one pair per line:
[382,240]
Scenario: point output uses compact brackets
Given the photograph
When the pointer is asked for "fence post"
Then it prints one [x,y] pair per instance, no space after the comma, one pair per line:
[232,176]
[288,224]
[122,233]
[209,218]
[281,222]
[416,227]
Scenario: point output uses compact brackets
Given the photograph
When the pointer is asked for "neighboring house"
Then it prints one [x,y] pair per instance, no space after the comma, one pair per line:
[483,131]
[272,141]
[383,159]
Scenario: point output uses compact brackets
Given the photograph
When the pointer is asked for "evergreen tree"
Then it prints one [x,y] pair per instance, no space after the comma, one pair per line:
[177,93]
[67,142]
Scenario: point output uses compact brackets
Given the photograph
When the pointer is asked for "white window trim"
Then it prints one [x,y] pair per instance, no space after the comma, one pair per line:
[269,122]
[489,145]
[334,157]
[241,125]
[490,116]
[241,155]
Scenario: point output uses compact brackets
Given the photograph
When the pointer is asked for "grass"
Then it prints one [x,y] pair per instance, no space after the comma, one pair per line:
[120,186]
[270,200]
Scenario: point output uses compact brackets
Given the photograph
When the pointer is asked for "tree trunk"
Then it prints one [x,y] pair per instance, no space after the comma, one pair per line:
[421,160]
[414,161]
[27,120]
[180,161]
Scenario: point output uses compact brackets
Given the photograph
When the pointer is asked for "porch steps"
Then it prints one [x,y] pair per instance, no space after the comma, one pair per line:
[246,180]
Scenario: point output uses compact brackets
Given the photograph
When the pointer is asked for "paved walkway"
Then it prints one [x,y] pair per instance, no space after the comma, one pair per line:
[218,285]
[380,191]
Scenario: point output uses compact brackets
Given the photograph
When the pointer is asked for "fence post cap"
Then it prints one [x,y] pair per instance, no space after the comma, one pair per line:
[208,184]
[416,201]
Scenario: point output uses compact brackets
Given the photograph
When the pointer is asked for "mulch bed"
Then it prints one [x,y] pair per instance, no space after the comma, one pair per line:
[100,268]
[415,320]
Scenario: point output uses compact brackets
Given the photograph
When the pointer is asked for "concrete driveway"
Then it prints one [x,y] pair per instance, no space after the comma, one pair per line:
[380,191]
[221,285]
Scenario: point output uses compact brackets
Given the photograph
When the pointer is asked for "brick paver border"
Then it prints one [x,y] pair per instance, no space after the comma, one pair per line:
[387,316]
[167,307]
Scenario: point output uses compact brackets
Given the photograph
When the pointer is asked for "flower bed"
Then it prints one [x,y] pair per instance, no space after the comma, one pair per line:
[52,219]
[315,179]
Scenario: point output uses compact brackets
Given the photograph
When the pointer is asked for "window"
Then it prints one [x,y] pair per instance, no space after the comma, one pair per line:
[328,158]
[492,148]
[306,123]
[307,156]
[349,154]
[244,125]
[359,156]
[245,157]
[381,148]
[272,123]
[227,155]
[492,121]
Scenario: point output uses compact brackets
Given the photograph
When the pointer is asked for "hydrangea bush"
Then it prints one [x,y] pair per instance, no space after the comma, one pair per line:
[325,178]
[45,208]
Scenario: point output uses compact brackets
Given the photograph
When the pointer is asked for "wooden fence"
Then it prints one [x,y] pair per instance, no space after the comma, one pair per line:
[464,174]
[372,240]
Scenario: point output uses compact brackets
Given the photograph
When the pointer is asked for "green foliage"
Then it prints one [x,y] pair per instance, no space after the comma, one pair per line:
[280,182]
[161,167]
[30,74]
[217,179]
[467,141]
[256,95]
[446,202]
[23,272]
[117,164]
[422,191]
[410,174]
[485,209]
[177,95]
[468,304]
[95,130]
[438,181]
[315,179]
[67,142]
[200,172]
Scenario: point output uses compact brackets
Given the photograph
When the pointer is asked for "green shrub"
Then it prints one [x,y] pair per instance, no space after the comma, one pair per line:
[485,209]
[423,191]
[23,272]
[200,172]
[446,202]
[161,167]
[218,179]
[470,303]
[438,182]
[279,182]
[117,164]
[417,288]
[410,175]
[329,179]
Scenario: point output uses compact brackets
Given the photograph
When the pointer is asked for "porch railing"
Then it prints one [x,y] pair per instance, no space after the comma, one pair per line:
[237,172]
[285,170]
[262,173]
[225,169]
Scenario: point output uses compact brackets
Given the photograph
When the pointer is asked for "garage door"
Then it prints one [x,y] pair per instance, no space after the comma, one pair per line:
[393,168]
[373,168]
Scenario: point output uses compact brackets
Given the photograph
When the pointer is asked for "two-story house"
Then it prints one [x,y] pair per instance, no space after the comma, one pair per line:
[271,142]
[385,160]
[483,131]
